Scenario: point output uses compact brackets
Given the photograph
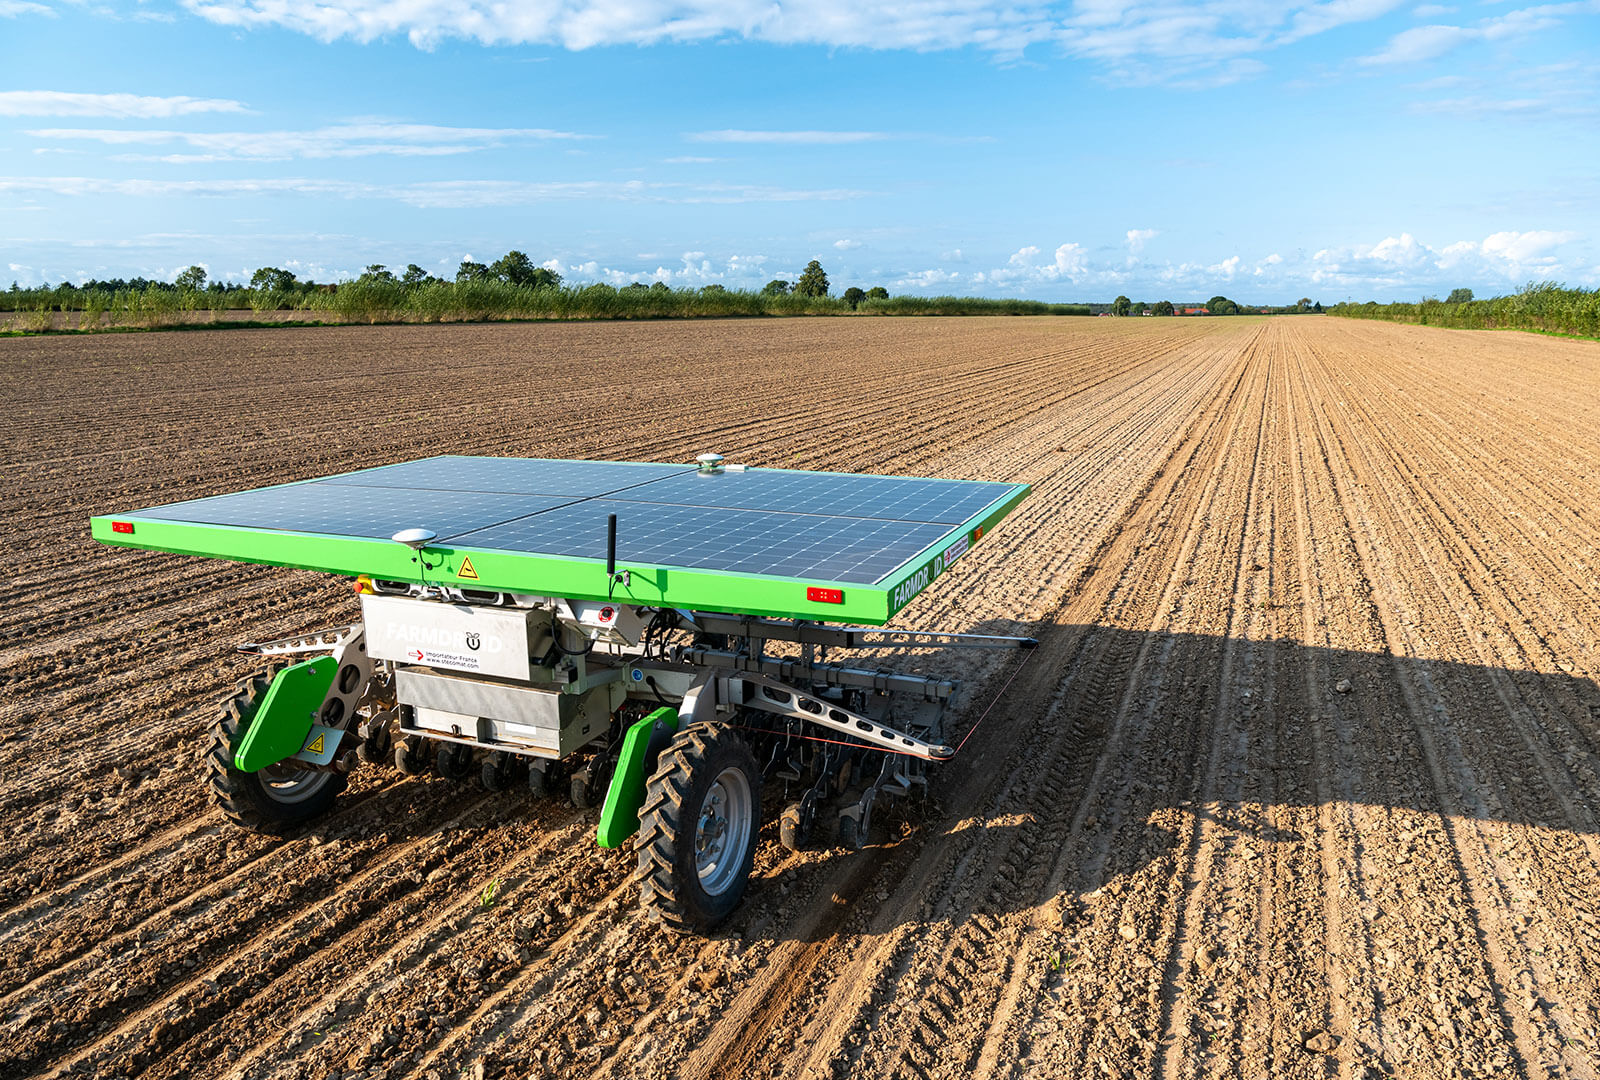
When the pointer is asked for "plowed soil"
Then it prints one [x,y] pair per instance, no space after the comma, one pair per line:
[1301,782]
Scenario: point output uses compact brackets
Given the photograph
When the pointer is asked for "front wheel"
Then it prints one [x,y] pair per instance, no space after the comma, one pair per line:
[697,828]
[272,798]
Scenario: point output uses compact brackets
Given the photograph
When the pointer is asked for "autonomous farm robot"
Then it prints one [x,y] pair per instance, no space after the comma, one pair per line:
[654,639]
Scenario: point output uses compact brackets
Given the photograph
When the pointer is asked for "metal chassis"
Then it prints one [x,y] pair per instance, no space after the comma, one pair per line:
[813,715]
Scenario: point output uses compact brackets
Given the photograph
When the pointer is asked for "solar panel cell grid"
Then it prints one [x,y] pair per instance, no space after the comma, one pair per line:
[342,510]
[520,476]
[858,550]
[835,527]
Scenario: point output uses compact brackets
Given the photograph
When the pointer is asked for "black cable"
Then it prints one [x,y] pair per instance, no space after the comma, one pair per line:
[650,681]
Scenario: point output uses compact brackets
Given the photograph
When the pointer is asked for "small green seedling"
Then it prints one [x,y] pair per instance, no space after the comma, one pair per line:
[490,894]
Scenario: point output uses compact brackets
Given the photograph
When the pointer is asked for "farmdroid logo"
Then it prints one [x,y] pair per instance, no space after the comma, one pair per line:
[442,647]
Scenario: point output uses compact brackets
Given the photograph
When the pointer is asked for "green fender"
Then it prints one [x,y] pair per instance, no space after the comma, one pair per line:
[285,716]
[619,817]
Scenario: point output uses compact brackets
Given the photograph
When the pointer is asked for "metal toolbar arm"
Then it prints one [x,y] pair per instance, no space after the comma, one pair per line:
[824,674]
[839,637]
[316,642]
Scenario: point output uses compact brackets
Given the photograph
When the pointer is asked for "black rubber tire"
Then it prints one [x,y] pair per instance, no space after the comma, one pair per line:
[541,778]
[499,771]
[250,799]
[411,755]
[790,834]
[376,740]
[453,761]
[850,835]
[578,790]
[670,879]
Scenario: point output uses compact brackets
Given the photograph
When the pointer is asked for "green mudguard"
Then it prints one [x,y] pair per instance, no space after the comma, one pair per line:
[280,726]
[619,817]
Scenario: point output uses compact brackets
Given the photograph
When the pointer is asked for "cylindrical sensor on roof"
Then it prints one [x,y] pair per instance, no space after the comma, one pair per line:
[710,463]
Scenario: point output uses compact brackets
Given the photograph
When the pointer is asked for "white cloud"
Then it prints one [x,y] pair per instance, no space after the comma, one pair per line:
[1194,44]
[1069,263]
[1317,18]
[336,141]
[804,138]
[686,160]
[1405,262]
[1266,264]
[581,24]
[1138,238]
[1424,43]
[1432,11]
[1421,43]
[695,269]
[925,280]
[1402,250]
[846,245]
[1525,247]
[1201,43]
[62,103]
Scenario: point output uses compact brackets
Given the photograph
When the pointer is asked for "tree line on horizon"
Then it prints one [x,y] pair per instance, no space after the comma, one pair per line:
[1545,306]
[511,287]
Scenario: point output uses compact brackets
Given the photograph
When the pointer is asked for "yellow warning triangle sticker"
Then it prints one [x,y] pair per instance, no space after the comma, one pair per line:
[466,570]
[315,745]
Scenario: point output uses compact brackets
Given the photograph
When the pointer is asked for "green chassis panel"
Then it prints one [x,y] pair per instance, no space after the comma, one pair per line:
[283,721]
[550,575]
[619,817]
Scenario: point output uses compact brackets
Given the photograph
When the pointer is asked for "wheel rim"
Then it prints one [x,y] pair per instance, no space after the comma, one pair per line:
[290,786]
[722,831]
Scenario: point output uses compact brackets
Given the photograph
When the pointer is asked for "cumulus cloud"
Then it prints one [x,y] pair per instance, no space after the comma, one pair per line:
[1026,267]
[336,141]
[129,106]
[10,9]
[1137,238]
[695,269]
[846,245]
[926,280]
[1404,261]
[1525,247]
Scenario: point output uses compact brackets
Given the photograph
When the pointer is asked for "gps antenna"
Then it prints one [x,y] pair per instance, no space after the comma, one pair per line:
[612,577]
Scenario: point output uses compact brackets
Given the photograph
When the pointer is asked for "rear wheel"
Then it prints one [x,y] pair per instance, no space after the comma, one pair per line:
[272,798]
[697,828]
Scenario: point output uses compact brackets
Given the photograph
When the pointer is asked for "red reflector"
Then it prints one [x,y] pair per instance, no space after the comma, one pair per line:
[825,596]
[122,526]
[977,534]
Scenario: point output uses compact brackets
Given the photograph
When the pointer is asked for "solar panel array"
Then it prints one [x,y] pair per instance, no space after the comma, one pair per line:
[822,526]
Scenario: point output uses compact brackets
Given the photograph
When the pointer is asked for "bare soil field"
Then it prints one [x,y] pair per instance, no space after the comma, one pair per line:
[1301,782]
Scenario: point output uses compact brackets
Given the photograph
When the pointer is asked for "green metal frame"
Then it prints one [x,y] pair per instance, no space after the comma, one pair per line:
[284,719]
[619,817]
[553,575]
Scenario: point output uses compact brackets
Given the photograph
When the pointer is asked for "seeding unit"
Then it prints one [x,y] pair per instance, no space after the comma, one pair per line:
[654,638]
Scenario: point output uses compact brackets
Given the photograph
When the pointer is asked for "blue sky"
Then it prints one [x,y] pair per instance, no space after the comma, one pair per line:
[1341,149]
